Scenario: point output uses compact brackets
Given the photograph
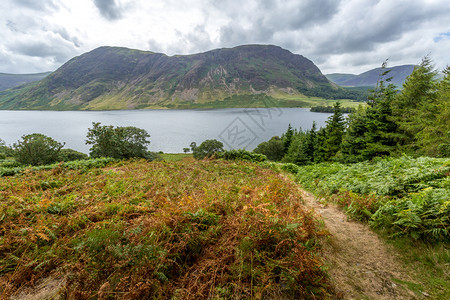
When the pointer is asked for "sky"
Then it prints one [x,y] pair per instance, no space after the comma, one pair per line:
[343,36]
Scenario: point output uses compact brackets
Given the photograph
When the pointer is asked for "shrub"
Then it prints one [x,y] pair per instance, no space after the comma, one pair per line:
[118,142]
[242,154]
[273,149]
[36,149]
[207,149]
[70,154]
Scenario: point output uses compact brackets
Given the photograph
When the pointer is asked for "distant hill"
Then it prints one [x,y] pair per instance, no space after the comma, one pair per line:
[12,80]
[369,78]
[121,78]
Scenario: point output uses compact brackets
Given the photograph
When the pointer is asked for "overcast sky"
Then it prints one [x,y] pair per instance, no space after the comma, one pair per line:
[347,36]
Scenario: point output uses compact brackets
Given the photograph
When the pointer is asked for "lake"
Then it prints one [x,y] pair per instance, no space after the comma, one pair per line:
[170,130]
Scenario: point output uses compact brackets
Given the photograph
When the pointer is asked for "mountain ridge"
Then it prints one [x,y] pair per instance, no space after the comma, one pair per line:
[8,80]
[370,77]
[122,78]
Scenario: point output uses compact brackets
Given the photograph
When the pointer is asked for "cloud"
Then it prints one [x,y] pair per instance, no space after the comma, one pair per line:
[338,35]
[41,5]
[109,9]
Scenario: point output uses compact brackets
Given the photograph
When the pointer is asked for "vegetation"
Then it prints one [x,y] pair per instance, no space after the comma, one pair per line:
[139,229]
[413,121]
[36,149]
[330,109]
[118,142]
[404,196]
[244,155]
[207,149]
[70,155]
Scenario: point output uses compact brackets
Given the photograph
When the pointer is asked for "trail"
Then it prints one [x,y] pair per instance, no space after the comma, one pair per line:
[360,264]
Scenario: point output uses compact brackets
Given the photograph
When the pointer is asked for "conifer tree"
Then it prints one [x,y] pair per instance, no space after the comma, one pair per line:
[434,138]
[416,105]
[380,135]
[334,132]
[287,138]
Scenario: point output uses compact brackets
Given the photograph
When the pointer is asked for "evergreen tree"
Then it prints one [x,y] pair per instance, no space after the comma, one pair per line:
[334,132]
[309,145]
[380,135]
[416,105]
[434,138]
[354,141]
[319,149]
[287,138]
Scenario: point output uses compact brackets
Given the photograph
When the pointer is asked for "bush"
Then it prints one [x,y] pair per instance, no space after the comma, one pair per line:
[5,151]
[242,154]
[273,149]
[118,142]
[207,149]
[36,149]
[70,154]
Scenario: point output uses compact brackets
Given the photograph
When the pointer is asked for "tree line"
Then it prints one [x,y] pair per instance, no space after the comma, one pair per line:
[105,140]
[412,121]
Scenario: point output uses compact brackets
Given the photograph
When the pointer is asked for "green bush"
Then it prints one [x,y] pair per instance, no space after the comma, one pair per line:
[70,154]
[36,149]
[206,149]
[273,149]
[242,154]
[118,142]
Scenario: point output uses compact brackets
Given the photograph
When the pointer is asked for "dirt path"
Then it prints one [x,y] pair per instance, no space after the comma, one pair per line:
[361,265]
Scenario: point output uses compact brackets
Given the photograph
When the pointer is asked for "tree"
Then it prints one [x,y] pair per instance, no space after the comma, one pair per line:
[334,132]
[309,145]
[354,141]
[416,106]
[193,146]
[380,136]
[186,150]
[287,138]
[36,149]
[3,149]
[207,149]
[273,149]
[434,138]
[118,142]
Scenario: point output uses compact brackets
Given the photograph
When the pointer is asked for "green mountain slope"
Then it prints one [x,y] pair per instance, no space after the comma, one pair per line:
[12,80]
[369,78]
[121,78]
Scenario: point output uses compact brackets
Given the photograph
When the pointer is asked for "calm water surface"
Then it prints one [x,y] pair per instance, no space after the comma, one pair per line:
[170,130]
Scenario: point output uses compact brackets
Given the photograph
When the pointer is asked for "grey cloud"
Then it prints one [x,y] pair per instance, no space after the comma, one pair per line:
[41,5]
[268,18]
[62,32]
[367,32]
[109,9]
[55,50]
[194,41]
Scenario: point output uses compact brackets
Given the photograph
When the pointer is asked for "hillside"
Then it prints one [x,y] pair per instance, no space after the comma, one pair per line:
[121,78]
[159,230]
[12,80]
[369,78]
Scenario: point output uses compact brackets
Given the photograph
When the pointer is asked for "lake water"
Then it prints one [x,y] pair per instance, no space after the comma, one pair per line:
[170,130]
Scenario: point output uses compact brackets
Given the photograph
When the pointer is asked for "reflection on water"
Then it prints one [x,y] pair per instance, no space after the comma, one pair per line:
[170,130]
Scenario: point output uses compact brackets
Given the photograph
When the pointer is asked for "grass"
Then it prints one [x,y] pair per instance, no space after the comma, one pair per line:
[431,263]
[181,230]
[174,156]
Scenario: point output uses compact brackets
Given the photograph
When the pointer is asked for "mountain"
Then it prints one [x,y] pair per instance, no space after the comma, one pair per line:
[369,78]
[122,78]
[12,80]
